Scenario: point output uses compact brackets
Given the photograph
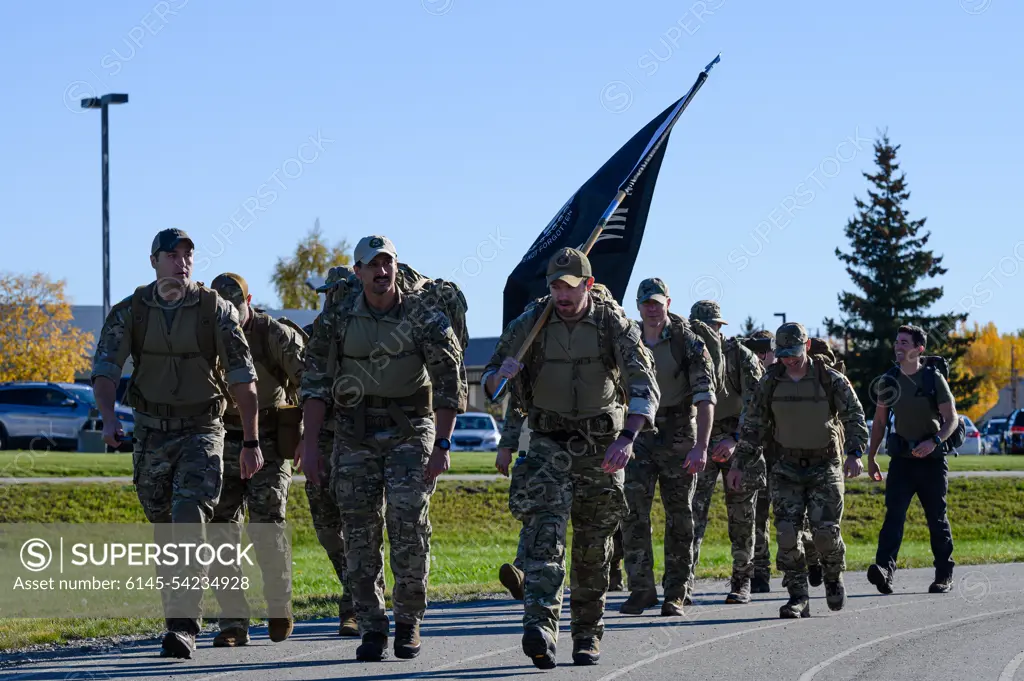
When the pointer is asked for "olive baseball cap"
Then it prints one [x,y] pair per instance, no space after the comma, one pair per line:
[707,311]
[232,288]
[652,289]
[369,246]
[569,265]
[790,340]
[168,240]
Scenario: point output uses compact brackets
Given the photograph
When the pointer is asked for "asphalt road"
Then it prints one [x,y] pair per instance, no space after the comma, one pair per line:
[456,478]
[974,632]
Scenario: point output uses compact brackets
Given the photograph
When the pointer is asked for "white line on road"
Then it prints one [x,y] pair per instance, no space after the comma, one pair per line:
[1011,668]
[810,673]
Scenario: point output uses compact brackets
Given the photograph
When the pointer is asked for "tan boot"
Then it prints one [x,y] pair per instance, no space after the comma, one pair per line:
[638,601]
[348,626]
[280,628]
[232,637]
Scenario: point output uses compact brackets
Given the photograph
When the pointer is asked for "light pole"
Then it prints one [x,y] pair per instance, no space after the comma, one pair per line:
[102,103]
[781,314]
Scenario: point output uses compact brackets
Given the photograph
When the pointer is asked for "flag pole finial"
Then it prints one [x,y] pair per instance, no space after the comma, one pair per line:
[707,69]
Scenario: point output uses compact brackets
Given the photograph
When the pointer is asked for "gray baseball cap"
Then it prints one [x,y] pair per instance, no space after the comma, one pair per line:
[369,246]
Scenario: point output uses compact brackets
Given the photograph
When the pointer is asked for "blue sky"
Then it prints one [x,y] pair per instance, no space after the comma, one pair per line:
[459,128]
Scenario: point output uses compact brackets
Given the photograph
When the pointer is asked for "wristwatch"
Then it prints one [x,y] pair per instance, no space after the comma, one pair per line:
[937,440]
[857,453]
[628,434]
[250,444]
[443,443]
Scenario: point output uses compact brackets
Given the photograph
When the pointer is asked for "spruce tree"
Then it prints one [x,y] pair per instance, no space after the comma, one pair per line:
[888,261]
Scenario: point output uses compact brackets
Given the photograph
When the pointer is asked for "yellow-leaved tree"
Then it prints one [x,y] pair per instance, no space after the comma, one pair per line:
[313,257]
[38,341]
[989,359]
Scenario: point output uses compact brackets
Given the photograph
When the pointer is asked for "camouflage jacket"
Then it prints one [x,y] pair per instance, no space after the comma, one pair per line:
[424,325]
[515,418]
[114,345]
[758,425]
[743,367]
[634,361]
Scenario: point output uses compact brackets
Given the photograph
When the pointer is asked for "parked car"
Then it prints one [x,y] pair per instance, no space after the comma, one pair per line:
[992,434]
[1013,435]
[40,415]
[475,431]
[973,443]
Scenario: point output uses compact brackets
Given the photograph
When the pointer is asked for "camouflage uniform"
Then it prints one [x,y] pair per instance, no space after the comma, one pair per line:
[178,403]
[743,370]
[569,389]
[803,427]
[382,442]
[265,495]
[660,457]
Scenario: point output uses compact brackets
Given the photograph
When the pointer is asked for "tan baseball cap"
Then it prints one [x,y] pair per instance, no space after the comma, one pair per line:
[569,265]
[369,246]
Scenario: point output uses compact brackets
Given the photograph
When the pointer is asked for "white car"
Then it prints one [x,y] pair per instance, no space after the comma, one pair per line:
[475,432]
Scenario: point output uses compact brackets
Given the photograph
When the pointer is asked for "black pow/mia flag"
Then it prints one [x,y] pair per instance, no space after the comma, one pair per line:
[633,169]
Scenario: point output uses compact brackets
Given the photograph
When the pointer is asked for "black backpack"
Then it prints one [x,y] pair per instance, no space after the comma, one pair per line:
[933,364]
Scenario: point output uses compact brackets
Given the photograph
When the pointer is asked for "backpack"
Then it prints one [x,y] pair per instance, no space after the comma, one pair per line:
[712,341]
[931,365]
[258,349]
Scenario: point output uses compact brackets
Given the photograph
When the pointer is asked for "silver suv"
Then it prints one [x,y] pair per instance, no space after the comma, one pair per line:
[51,415]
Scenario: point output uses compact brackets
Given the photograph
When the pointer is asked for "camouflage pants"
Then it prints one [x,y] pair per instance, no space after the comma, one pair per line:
[617,551]
[740,508]
[327,520]
[386,468]
[265,495]
[178,477]
[559,481]
[654,462]
[762,533]
[817,492]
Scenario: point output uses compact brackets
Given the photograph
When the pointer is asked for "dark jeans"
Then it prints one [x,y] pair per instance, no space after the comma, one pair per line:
[927,479]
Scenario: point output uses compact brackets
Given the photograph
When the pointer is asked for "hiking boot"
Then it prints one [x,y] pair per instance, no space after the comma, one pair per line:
[540,648]
[615,582]
[941,585]
[815,575]
[178,644]
[638,601]
[348,625]
[374,647]
[231,637]
[881,578]
[585,651]
[407,640]
[511,578]
[796,607]
[280,628]
[673,607]
[687,600]
[740,590]
[760,584]
[835,594]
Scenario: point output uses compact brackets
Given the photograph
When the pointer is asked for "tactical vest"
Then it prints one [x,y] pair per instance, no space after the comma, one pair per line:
[176,372]
[805,409]
[572,377]
[729,403]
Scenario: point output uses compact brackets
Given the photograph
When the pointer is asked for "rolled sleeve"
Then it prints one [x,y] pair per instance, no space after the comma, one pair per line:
[637,366]
[232,346]
[705,397]
[114,343]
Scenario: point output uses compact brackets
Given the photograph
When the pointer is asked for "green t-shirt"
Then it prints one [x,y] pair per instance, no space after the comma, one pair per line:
[916,418]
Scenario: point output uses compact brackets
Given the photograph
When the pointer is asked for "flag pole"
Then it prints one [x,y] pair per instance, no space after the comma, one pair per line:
[624,189]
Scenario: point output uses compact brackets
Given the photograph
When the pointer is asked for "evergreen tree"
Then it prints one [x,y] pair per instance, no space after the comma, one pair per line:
[888,260]
[749,327]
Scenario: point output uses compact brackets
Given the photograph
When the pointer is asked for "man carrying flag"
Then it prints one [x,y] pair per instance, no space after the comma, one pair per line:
[582,438]
[587,382]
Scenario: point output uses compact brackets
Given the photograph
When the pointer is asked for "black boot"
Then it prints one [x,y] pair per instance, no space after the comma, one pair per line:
[374,647]
[760,584]
[540,648]
[881,578]
[585,651]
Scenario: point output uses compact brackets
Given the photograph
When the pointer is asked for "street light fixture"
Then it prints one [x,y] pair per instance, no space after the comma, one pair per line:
[102,103]
[781,314]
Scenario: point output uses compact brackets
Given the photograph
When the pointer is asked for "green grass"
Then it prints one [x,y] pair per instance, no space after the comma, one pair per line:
[25,464]
[473,533]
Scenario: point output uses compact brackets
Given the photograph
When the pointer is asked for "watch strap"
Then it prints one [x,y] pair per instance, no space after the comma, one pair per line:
[250,444]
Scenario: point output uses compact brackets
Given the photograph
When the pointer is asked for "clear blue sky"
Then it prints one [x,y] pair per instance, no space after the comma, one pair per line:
[449,123]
